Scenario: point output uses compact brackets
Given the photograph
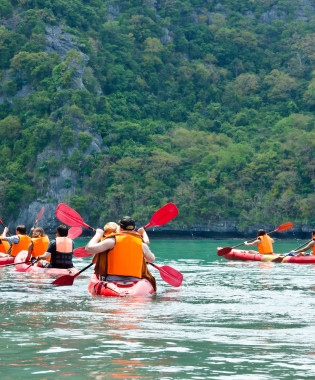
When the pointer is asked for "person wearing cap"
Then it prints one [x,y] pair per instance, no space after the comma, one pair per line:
[263,242]
[121,256]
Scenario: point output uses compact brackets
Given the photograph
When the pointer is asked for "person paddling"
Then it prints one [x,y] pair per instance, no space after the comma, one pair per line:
[122,256]
[302,251]
[4,246]
[263,242]
[20,241]
[38,245]
[59,251]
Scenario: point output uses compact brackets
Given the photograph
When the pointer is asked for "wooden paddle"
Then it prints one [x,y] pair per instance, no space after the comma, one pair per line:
[281,257]
[282,227]
[74,232]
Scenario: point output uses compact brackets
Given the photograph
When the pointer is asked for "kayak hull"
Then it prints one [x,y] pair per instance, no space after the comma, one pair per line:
[142,288]
[36,269]
[243,255]
[6,260]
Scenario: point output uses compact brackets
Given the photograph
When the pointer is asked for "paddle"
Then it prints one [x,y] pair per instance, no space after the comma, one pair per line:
[23,262]
[281,257]
[40,214]
[163,215]
[80,252]
[74,232]
[282,227]
[67,279]
[170,275]
[4,227]
[70,217]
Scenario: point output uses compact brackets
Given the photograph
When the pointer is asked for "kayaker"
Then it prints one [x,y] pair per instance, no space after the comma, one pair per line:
[59,251]
[302,251]
[39,243]
[263,242]
[20,241]
[4,246]
[110,228]
[123,255]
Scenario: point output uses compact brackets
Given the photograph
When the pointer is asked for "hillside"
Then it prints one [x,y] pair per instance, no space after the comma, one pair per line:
[118,107]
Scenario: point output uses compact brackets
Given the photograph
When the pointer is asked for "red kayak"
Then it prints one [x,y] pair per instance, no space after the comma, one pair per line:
[242,255]
[142,288]
[20,258]
[6,260]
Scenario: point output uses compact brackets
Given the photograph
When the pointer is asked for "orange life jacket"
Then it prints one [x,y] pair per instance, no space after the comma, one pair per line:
[4,246]
[265,247]
[40,245]
[126,258]
[21,246]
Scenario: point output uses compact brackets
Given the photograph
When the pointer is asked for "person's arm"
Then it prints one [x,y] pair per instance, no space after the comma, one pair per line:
[12,239]
[29,254]
[309,246]
[94,246]
[148,255]
[256,242]
[144,235]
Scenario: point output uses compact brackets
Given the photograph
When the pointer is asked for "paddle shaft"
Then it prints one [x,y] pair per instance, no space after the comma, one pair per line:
[295,249]
[4,227]
[23,262]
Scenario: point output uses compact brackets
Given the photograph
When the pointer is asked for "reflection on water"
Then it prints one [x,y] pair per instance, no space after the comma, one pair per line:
[228,319]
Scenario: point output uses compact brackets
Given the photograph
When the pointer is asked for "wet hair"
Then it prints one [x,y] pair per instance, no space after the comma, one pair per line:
[127,223]
[62,230]
[22,229]
[261,232]
[110,227]
[313,234]
[39,232]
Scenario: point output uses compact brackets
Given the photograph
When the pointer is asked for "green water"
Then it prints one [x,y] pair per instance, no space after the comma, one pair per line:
[236,320]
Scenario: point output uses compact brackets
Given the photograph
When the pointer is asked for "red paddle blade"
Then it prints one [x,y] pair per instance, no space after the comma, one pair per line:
[170,275]
[224,251]
[66,280]
[69,216]
[40,214]
[74,232]
[163,215]
[80,252]
[285,226]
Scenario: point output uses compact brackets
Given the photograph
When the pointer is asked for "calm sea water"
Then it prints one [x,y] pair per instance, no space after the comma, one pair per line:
[236,320]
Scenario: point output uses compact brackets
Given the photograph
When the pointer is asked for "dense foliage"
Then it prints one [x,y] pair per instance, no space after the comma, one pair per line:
[209,104]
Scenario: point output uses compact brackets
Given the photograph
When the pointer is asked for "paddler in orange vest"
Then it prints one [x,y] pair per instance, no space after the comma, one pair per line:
[38,245]
[302,251]
[121,256]
[20,241]
[4,246]
[263,242]
[59,251]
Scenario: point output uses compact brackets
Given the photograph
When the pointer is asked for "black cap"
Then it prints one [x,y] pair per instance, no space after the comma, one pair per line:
[127,223]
